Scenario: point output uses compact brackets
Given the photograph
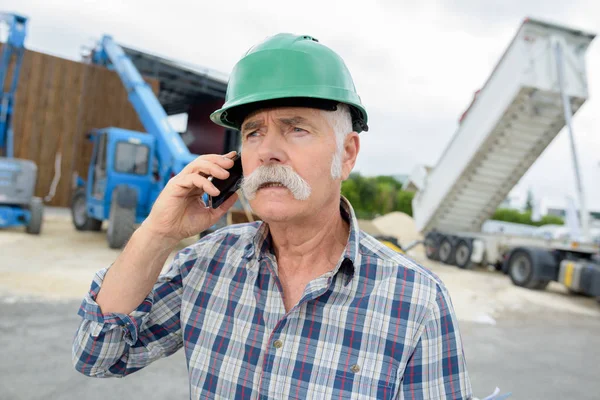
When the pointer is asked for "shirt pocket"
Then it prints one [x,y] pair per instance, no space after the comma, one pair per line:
[364,377]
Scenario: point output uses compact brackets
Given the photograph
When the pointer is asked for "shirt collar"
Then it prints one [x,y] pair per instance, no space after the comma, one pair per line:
[261,242]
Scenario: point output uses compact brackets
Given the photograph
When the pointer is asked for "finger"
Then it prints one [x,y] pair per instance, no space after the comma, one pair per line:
[205,168]
[224,161]
[192,181]
[208,168]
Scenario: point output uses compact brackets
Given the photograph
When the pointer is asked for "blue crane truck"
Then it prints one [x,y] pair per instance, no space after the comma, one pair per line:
[128,169]
[18,205]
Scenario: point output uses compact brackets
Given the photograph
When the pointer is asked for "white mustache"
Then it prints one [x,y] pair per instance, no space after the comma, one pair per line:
[275,173]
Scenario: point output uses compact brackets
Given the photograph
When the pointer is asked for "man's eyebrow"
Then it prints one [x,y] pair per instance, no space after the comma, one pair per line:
[251,125]
[295,121]
[290,121]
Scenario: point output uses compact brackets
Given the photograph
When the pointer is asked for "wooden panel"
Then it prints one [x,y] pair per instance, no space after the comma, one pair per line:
[57,103]
[20,123]
[50,127]
[72,98]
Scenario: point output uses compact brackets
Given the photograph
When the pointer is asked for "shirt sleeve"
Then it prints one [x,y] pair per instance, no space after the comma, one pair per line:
[437,368]
[116,345]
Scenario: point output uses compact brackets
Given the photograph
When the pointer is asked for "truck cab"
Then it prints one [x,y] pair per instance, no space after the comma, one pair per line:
[123,182]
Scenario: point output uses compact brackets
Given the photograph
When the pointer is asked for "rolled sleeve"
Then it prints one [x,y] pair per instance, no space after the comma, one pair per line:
[114,344]
[101,323]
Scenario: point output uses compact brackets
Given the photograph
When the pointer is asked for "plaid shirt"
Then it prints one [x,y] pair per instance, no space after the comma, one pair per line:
[378,326]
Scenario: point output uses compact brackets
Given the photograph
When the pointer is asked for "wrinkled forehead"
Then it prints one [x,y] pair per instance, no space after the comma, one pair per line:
[292,116]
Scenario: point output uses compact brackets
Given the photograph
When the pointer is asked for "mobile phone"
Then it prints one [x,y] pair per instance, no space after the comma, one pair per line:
[228,186]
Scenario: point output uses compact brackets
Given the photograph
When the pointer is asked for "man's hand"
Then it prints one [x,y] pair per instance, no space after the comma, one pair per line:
[179,211]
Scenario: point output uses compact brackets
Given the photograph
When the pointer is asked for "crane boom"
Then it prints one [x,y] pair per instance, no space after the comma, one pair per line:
[172,152]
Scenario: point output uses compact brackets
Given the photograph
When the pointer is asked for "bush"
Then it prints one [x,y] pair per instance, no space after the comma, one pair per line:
[372,196]
[509,215]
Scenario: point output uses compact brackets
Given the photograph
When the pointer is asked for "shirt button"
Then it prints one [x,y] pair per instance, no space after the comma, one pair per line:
[355,368]
[277,344]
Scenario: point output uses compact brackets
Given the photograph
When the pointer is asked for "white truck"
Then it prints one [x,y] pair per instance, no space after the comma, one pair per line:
[538,84]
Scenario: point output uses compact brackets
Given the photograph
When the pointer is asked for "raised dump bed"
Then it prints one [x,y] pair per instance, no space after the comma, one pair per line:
[512,119]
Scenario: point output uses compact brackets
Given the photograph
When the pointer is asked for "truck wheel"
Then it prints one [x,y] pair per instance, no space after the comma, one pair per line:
[447,251]
[121,224]
[521,271]
[79,216]
[432,246]
[36,208]
[462,255]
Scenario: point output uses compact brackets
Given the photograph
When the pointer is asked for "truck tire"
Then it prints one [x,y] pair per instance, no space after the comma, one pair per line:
[79,216]
[36,208]
[462,254]
[521,271]
[121,224]
[432,246]
[447,251]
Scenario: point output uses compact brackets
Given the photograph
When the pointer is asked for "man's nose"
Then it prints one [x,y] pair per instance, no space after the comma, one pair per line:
[271,149]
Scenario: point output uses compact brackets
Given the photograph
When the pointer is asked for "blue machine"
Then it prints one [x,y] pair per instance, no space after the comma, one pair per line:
[128,169]
[18,206]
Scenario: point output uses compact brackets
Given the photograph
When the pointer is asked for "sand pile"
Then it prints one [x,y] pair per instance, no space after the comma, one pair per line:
[368,226]
[401,226]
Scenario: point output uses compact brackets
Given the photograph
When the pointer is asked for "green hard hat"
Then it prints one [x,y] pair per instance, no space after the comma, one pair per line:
[289,70]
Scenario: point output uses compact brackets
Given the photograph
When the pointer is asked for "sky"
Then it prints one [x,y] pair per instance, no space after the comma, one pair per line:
[416,64]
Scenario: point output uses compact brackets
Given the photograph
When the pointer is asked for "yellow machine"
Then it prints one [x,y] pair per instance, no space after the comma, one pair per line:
[390,242]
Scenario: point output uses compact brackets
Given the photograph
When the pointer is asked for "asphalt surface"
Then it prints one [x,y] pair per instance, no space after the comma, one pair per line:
[543,356]
[535,344]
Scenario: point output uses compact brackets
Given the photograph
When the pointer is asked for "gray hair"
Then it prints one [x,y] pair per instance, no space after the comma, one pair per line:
[275,174]
[340,121]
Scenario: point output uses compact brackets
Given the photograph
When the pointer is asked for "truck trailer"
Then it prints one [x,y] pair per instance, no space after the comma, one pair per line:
[538,84]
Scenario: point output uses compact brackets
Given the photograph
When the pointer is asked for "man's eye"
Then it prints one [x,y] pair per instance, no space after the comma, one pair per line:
[251,134]
[296,129]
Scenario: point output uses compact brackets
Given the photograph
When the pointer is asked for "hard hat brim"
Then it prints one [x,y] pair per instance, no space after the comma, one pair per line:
[232,115]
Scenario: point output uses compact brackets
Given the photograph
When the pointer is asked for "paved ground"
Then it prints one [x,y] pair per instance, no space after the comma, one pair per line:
[538,345]
[548,357]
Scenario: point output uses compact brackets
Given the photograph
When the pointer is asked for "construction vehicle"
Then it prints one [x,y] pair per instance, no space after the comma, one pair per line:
[531,95]
[128,169]
[18,205]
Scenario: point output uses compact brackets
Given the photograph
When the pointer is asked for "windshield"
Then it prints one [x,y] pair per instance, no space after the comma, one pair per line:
[132,158]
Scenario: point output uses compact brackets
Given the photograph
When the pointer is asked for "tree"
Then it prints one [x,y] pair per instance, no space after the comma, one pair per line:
[529,201]
[385,199]
[404,202]
[379,195]
[510,215]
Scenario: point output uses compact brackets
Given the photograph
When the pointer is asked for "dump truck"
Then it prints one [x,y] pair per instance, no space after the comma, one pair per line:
[539,83]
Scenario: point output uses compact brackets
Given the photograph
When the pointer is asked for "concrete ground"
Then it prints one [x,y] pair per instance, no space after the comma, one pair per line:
[537,345]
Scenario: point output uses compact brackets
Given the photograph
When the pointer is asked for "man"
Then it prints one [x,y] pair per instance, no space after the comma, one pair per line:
[301,305]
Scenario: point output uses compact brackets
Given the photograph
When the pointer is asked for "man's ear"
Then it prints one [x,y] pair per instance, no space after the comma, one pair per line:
[350,153]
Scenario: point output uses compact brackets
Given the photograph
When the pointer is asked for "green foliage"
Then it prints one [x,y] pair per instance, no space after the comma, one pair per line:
[529,202]
[372,196]
[509,215]
[551,220]
[404,201]
[379,195]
